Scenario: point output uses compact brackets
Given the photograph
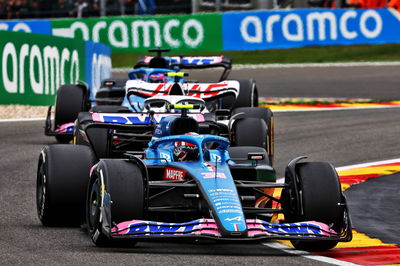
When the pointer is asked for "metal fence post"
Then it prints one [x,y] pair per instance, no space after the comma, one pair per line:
[218,5]
[102,8]
[122,7]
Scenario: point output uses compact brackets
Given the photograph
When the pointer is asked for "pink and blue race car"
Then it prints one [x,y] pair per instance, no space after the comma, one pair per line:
[149,73]
[186,185]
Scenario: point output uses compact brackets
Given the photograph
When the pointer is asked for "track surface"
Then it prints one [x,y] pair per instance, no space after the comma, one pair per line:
[383,222]
[340,137]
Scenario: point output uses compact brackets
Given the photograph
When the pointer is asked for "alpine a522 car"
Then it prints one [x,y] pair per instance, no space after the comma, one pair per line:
[187,185]
[151,103]
[112,97]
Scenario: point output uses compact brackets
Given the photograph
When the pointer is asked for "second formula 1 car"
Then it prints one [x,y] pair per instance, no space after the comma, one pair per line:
[113,97]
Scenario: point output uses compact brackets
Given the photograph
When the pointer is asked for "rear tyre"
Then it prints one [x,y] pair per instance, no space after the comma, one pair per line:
[253,132]
[71,99]
[265,114]
[62,178]
[248,94]
[321,197]
[123,195]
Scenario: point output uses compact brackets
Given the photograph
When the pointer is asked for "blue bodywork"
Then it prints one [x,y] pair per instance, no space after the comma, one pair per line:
[211,173]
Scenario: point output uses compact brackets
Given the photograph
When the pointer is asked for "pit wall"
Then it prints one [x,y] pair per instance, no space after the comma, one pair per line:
[250,30]
[33,66]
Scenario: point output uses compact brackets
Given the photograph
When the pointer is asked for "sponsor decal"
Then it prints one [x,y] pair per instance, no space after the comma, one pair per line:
[199,90]
[98,65]
[198,60]
[28,26]
[174,174]
[46,67]
[256,228]
[213,175]
[302,27]
[32,69]
[191,60]
[136,119]
[135,33]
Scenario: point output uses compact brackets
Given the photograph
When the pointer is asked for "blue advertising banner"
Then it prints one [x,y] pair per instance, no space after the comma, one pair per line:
[309,27]
[29,26]
[98,65]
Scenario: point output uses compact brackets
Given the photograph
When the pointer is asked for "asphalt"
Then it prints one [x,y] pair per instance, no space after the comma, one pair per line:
[374,207]
[340,137]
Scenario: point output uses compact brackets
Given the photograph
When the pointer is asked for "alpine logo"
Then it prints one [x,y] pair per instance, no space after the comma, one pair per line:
[237,218]
[174,174]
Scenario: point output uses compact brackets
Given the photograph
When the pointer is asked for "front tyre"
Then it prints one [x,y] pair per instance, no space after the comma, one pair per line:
[321,199]
[62,178]
[115,194]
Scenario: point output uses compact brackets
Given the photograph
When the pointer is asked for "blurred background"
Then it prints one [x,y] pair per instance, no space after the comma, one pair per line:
[26,9]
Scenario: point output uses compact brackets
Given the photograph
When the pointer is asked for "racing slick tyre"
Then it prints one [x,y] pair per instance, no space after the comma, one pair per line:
[321,199]
[71,99]
[252,132]
[248,94]
[62,178]
[119,187]
[265,114]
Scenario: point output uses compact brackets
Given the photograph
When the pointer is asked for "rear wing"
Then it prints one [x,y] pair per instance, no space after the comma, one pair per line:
[193,62]
[205,91]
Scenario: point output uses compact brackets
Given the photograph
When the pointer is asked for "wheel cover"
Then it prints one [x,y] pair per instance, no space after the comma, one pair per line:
[94,203]
[254,96]
[41,190]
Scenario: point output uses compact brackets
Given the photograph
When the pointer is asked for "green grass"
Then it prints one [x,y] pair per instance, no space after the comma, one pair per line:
[317,54]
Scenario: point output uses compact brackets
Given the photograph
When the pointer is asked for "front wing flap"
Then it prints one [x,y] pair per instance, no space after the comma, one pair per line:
[207,228]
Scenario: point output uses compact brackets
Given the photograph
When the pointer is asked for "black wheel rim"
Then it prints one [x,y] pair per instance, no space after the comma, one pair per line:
[94,205]
[255,97]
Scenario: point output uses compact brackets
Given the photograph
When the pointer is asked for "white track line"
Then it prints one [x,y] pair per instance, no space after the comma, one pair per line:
[306,254]
[304,65]
[334,109]
[274,111]
[21,120]
[397,160]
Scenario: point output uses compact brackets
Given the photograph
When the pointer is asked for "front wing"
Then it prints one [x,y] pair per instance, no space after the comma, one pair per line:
[207,228]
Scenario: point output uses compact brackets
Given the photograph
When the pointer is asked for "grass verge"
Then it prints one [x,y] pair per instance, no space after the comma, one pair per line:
[317,54]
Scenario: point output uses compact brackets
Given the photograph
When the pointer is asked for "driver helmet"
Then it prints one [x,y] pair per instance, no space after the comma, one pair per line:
[186,151]
[157,78]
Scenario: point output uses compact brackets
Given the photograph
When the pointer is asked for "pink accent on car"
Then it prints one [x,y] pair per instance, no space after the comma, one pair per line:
[68,127]
[255,228]
[96,117]
[99,117]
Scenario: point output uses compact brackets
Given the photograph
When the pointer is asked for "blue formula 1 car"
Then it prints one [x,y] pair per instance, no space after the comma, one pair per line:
[113,96]
[190,186]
